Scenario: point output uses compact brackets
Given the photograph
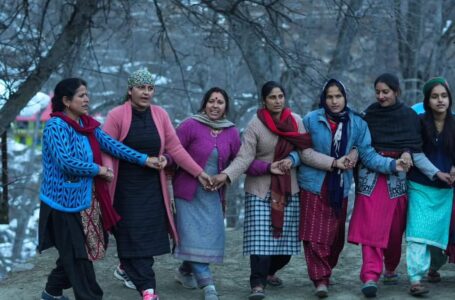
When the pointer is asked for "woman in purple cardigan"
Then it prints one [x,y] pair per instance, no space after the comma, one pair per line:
[213,142]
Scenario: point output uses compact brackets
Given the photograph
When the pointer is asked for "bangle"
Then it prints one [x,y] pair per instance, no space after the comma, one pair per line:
[334,164]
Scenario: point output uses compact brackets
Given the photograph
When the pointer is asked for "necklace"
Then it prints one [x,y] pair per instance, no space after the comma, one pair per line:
[215,132]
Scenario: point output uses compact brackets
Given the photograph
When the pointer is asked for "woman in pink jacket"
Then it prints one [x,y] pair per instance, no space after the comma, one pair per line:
[140,195]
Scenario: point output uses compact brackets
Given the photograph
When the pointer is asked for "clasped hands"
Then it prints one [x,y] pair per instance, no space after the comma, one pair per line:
[156,162]
[448,178]
[347,161]
[106,173]
[213,183]
[153,162]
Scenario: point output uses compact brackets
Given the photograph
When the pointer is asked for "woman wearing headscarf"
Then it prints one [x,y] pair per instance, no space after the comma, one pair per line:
[141,197]
[334,130]
[379,215]
[430,201]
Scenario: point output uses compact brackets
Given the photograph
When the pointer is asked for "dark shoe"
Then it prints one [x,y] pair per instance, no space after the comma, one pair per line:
[418,289]
[274,281]
[434,276]
[46,296]
[390,279]
[186,280]
[257,293]
[370,288]
[321,291]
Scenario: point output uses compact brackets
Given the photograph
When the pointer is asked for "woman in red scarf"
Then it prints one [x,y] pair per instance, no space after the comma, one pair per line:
[76,210]
[271,200]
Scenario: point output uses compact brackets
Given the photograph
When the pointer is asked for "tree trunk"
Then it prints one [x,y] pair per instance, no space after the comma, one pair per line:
[342,58]
[260,58]
[4,201]
[408,19]
[75,29]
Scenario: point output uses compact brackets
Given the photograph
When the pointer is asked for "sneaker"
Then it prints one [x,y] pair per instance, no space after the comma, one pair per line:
[321,291]
[370,288]
[120,274]
[257,293]
[149,295]
[46,296]
[210,293]
[186,280]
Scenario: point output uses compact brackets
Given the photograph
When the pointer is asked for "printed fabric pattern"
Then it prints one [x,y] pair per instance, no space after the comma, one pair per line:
[367,179]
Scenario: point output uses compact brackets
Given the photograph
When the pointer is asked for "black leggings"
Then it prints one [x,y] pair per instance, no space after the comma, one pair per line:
[264,265]
[140,271]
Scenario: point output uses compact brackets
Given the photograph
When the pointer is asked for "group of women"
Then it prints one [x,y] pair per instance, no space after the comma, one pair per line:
[298,176]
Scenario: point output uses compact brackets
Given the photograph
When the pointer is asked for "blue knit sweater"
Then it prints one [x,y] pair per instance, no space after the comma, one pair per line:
[68,167]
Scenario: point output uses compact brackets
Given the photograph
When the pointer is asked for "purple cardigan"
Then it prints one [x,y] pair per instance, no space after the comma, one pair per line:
[196,138]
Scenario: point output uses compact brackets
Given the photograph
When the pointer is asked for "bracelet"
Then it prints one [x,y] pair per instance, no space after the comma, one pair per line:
[334,164]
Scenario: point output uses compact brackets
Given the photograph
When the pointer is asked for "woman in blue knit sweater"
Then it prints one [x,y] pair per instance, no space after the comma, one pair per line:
[76,210]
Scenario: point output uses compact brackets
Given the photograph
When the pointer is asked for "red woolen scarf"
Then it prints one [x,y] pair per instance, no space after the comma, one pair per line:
[289,139]
[108,213]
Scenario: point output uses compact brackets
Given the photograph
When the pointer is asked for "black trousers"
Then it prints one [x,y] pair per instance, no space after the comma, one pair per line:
[140,271]
[263,265]
[71,271]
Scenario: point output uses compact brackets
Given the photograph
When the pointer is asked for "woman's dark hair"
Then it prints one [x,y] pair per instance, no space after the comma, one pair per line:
[209,93]
[429,128]
[391,80]
[67,87]
[268,87]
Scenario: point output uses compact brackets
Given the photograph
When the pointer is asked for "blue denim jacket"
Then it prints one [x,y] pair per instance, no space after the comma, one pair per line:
[316,123]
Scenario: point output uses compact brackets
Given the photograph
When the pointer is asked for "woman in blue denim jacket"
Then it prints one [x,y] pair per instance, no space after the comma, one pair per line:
[335,130]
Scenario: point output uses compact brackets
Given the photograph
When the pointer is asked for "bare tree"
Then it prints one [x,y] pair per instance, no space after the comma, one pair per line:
[78,24]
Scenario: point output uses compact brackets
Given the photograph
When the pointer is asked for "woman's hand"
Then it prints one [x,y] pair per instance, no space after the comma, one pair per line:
[219,180]
[341,163]
[351,158]
[445,177]
[407,159]
[402,165]
[452,173]
[275,168]
[285,165]
[106,173]
[156,162]
[206,181]
[162,161]
[281,167]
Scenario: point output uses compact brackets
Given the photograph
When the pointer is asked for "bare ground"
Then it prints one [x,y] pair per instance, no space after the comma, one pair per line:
[231,278]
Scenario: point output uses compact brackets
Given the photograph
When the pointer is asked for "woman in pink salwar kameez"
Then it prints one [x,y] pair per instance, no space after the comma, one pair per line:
[379,216]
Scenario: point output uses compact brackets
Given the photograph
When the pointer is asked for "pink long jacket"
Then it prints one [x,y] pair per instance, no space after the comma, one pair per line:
[118,124]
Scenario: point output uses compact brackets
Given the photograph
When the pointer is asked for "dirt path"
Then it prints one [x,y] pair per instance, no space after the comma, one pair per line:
[231,279]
